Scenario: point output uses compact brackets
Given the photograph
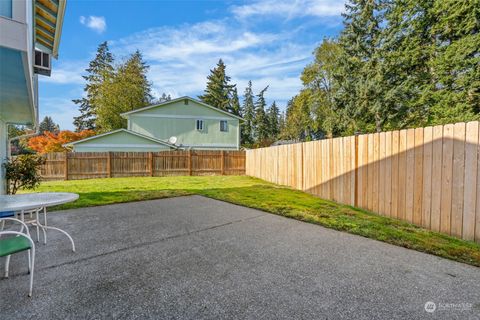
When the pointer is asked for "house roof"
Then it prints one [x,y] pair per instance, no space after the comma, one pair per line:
[123,130]
[48,24]
[179,99]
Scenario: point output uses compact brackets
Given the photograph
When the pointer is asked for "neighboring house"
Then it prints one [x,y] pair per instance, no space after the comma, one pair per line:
[284,142]
[29,36]
[179,124]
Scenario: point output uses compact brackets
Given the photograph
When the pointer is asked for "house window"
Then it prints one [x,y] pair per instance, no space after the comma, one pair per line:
[200,125]
[223,125]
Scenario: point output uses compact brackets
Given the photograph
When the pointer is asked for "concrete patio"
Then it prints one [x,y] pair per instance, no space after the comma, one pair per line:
[198,258]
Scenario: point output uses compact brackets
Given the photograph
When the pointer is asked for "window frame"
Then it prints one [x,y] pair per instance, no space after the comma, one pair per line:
[197,122]
[226,125]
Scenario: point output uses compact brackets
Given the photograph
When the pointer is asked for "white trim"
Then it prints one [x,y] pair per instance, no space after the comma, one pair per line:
[215,145]
[122,145]
[238,136]
[179,99]
[169,116]
[58,27]
[14,33]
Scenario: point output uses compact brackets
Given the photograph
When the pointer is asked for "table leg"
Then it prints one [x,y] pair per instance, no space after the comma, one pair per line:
[44,226]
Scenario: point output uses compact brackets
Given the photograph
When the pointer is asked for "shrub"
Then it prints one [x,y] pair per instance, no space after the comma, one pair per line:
[22,172]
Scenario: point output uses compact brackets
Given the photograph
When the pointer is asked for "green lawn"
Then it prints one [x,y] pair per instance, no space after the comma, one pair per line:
[268,197]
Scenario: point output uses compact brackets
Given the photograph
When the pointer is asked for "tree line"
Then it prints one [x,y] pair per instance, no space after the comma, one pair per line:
[112,89]
[396,64]
[261,125]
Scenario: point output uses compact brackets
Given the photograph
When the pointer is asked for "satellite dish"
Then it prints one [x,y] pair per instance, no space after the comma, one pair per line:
[172,139]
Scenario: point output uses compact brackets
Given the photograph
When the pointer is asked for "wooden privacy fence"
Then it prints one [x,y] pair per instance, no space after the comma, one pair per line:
[428,176]
[88,165]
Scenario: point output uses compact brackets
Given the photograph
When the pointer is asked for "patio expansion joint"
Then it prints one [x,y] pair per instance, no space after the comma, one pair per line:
[176,236]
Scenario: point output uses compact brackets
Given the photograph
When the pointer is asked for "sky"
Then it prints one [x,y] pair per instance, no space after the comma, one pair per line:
[266,41]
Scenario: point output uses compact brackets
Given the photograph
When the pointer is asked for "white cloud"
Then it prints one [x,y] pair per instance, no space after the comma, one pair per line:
[62,111]
[289,8]
[180,58]
[66,72]
[95,23]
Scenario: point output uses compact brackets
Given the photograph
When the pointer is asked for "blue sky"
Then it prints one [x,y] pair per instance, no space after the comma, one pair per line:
[266,41]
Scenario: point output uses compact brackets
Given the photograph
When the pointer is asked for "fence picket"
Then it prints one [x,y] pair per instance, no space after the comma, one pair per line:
[428,176]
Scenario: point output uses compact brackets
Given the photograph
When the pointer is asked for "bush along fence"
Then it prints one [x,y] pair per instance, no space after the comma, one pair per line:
[428,176]
[88,165]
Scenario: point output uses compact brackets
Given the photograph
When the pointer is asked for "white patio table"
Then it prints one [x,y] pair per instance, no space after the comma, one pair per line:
[36,202]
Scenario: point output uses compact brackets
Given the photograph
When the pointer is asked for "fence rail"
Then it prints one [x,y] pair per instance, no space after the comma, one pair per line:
[428,176]
[88,165]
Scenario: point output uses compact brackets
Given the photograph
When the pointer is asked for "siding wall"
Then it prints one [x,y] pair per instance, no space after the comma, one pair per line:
[178,119]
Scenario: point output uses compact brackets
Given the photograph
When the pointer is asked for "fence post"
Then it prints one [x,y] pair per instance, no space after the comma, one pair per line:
[223,162]
[109,164]
[150,157]
[189,162]
[66,166]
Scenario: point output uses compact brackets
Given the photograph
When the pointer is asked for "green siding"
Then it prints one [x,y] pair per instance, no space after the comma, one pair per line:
[161,123]
[180,108]
[119,141]
[120,149]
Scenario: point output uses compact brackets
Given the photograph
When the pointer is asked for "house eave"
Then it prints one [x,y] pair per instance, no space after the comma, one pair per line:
[121,130]
[126,114]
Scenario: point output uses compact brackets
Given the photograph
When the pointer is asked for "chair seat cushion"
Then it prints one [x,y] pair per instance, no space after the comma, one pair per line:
[13,245]
[5,214]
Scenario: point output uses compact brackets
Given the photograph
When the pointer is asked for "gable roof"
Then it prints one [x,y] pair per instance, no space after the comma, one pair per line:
[127,131]
[179,99]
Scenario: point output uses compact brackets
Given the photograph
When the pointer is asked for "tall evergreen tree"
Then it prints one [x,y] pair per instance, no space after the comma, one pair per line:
[49,125]
[126,90]
[100,68]
[235,107]
[456,62]
[407,47]
[218,90]
[261,119]
[247,126]
[358,71]
[273,115]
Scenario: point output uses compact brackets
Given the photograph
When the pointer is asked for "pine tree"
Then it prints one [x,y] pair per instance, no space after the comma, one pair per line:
[100,68]
[126,90]
[273,115]
[47,124]
[456,62]
[218,90]
[407,48]
[248,108]
[358,72]
[235,107]
[261,118]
